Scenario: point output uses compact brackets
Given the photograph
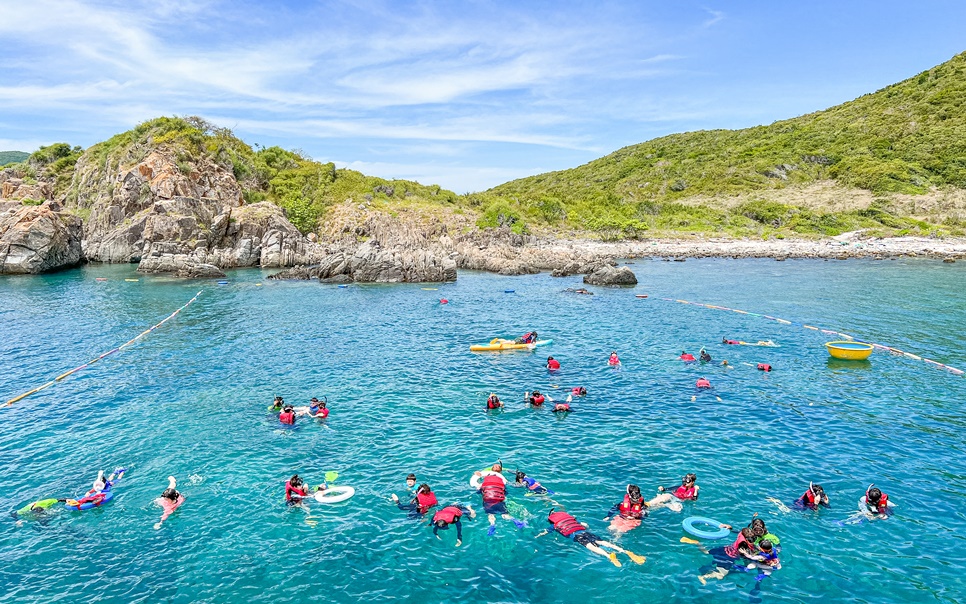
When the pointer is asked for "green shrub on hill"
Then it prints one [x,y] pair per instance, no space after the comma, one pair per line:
[12,157]
[905,138]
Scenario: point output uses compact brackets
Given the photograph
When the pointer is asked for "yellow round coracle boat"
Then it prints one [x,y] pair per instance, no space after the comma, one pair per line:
[850,351]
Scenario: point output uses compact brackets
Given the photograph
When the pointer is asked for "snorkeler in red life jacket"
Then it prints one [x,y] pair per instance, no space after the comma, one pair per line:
[295,490]
[688,489]
[534,398]
[633,506]
[613,360]
[687,357]
[814,497]
[493,402]
[764,367]
[287,416]
[578,391]
[876,501]
[727,341]
[553,364]
[702,383]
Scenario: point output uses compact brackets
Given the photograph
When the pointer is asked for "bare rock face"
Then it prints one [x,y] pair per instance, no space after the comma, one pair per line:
[610,275]
[201,271]
[38,239]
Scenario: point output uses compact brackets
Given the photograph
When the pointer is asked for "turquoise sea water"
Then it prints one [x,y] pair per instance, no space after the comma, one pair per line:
[407,396]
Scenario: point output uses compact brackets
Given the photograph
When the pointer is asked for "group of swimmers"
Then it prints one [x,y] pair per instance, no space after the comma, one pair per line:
[101,491]
[288,413]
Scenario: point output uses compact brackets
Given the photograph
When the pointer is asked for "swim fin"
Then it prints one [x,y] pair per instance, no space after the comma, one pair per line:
[491,531]
[689,540]
[636,558]
[613,558]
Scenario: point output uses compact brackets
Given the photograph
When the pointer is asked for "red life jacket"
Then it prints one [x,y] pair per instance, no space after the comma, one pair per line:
[809,498]
[493,403]
[702,383]
[323,412]
[493,489]
[732,342]
[96,499]
[561,407]
[424,501]
[289,489]
[553,364]
[449,514]
[734,550]
[764,367]
[575,391]
[287,418]
[537,400]
[629,509]
[613,360]
[687,357]
[683,492]
[883,504]
[565,524]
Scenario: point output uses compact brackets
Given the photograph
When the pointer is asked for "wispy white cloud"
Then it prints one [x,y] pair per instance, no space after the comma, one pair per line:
[716,16]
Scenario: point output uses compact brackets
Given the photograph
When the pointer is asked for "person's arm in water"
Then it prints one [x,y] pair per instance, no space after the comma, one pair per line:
[613,511]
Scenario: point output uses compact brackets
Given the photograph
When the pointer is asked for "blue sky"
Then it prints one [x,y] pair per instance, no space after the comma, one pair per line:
[462,94]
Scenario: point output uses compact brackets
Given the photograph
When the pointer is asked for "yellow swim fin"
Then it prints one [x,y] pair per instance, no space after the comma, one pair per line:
[689,540]
[636,558]
[613,558]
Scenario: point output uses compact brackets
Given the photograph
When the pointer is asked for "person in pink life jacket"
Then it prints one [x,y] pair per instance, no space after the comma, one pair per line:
[553,364]
[613,361]
[170,500]
[570,527]
[493,402]
[578,391]
[687,357]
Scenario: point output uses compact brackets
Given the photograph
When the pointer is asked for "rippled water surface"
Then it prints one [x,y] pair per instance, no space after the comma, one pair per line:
[407,396]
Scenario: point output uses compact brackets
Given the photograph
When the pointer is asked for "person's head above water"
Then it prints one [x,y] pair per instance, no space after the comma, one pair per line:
[424,488]
[295,480]
[520,476]
[411,479]
[634,491]
[873,495]
[689,478]
[549,358]
[314,400]
[765,546]
[171,494]
[758,527]
[498,466]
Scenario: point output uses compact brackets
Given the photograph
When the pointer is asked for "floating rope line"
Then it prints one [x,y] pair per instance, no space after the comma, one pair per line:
[109,352]
[909,355]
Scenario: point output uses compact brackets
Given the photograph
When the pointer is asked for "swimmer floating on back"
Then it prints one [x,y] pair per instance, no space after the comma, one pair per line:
[568,526]
[564,407]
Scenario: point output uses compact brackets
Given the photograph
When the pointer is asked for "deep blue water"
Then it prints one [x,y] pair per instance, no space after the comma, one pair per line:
[407,396]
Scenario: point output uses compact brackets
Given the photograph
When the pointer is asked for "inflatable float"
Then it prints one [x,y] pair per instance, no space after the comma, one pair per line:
[619,524]
[89,501]
[498,344]
[334,494]
[38,506]
[476,480]
[704,528]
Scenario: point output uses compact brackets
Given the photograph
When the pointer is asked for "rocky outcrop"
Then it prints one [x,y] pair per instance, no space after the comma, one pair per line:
[611,275]
[38,239]
[370,263]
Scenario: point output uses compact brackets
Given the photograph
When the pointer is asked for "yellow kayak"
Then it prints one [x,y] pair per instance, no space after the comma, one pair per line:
[498,344]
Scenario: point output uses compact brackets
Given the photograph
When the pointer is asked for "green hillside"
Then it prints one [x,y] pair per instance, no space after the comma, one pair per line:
[305,188]
[906,139]
[12,157]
